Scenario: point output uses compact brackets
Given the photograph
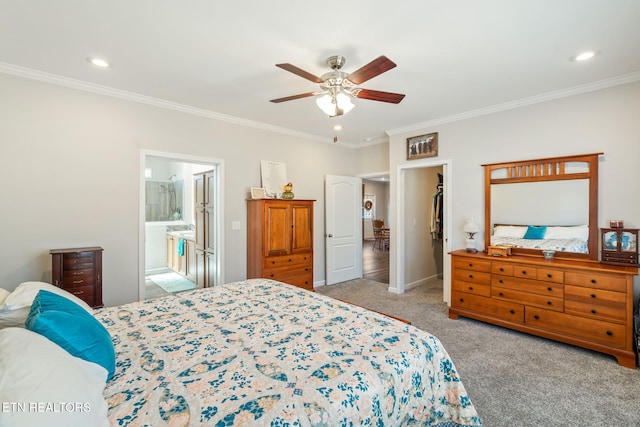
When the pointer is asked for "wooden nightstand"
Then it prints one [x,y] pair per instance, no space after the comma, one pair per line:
[79,271]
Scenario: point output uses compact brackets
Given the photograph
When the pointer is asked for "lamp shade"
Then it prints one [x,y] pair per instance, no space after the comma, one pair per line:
[471,227]
[331,104]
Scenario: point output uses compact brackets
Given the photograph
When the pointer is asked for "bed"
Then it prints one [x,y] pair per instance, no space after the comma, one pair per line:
[556,238]
[260,352]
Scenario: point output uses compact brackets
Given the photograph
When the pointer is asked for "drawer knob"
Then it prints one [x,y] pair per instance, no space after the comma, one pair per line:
[512,311]
[273,262]
[593,295]
[501,269]
[471,276]
[524,272]
[289,259]
[501,294]
[461,299]
[609,333]
[470,288]
[500,281]
[536,317]
[272,274]
[549,275]
[549,288]
[594,311]
[470,264]
[593,280]
[549,303]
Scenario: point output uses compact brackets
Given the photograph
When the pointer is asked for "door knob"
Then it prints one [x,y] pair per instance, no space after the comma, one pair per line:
[329,235]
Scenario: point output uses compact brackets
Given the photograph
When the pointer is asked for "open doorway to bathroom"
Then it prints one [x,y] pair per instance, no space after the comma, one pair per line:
[174,255]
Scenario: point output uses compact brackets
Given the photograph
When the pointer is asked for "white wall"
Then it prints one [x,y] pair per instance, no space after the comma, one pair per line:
[70,173]
[600,121]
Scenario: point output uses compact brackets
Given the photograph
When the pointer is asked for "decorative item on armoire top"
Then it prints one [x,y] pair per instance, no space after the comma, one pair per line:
[419,147]
[288,194]
[471,228]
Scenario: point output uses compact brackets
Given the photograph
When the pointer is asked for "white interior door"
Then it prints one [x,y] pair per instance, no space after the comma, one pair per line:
[343,228]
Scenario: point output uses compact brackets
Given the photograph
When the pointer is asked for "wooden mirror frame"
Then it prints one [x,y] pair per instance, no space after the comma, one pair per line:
[539,170]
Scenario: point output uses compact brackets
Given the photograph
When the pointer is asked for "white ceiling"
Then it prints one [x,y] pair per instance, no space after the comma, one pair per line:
[454,57]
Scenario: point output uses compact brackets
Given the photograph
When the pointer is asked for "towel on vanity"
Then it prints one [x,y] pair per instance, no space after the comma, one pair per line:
[181,247]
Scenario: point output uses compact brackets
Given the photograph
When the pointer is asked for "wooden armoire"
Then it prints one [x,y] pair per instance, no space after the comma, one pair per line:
[280,241]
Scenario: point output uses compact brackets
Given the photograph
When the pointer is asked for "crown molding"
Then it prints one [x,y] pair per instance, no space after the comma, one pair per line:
[549,96]
[157,102]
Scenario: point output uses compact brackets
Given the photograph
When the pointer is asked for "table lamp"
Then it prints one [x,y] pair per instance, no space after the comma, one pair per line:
[471,229]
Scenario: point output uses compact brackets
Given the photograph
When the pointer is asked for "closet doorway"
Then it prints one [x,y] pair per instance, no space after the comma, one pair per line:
[167,213]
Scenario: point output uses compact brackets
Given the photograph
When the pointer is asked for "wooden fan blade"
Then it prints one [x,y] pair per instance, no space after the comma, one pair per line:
[372,69]
[292,97]
[376,95]
[300,72]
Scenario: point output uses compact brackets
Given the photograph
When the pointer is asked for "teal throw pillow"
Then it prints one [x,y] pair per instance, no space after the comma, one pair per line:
[534,232]
[72,328]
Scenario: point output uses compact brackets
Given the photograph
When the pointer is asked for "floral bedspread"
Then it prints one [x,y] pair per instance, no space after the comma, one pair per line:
[260,352]
[560,245]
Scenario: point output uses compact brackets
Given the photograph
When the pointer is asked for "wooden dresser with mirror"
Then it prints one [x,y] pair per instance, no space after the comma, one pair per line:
[572,298]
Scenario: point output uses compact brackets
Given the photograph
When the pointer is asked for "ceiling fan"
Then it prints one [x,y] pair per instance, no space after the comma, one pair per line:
[337,87]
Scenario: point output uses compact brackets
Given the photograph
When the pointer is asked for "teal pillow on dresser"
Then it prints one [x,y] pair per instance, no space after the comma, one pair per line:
[534,232]
[72,328]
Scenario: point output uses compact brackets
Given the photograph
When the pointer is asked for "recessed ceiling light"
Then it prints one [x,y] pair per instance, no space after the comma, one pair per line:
[337,127]
[584,55]
[99,62]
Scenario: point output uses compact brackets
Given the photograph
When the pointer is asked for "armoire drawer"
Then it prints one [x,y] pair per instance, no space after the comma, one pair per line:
[287,260]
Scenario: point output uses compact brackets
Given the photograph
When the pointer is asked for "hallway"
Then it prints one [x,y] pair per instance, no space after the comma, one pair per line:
[375,263]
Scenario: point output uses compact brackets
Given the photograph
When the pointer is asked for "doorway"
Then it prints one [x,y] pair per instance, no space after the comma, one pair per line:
[399,271]
[167,217]
[375,253]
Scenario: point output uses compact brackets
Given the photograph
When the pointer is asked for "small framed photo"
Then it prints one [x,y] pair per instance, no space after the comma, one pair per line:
[258,193]
[419,147]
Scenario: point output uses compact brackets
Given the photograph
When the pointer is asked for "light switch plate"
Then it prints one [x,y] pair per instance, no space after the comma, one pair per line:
[235,225]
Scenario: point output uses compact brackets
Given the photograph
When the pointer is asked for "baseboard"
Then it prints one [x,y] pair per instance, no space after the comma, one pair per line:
[425,281]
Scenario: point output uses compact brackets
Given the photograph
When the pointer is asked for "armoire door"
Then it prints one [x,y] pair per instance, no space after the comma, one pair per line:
[277,224]
[302,226]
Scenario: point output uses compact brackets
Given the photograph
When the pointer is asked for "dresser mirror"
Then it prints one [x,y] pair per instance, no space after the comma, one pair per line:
[557,197]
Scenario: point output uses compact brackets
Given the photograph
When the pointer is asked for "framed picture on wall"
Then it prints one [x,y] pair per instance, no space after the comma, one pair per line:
[419,147]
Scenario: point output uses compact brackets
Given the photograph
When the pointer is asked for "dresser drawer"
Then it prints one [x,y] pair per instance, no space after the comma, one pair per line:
[526,285]
[593,280]
[472,276]
[287,260]
[472,264]
[595,296]
[593,330]
[550,275]
[502,268]
[498,309]
[525,271]
[471,288]
[614,313]
[527,298]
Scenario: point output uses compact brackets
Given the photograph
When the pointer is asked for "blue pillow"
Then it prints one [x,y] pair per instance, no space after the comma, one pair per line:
[72,328]
[535,232]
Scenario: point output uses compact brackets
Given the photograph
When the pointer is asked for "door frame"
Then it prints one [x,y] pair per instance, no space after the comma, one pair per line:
[397,245]
[218,166]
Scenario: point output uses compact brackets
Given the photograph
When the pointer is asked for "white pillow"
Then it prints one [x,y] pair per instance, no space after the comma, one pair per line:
[3,295]
[16,305]
[515,231]
[42,384]
[569,232]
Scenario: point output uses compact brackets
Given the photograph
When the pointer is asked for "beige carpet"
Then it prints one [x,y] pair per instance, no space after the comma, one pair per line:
[514,379]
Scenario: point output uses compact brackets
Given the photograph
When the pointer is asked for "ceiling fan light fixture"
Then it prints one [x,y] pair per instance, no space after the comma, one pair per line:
[337,105]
